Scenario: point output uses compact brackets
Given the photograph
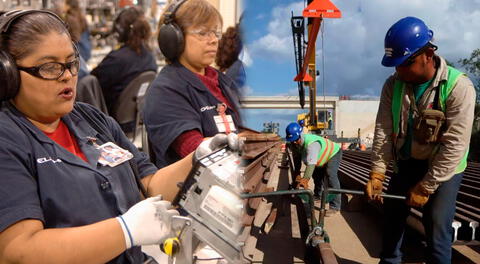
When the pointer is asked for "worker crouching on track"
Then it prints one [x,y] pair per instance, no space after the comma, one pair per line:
[189,100]
[423,124]
[69,187]
[322,158]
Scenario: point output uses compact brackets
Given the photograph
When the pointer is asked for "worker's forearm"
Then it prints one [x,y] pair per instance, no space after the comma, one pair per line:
[309,171]
[165,180]
[95,243]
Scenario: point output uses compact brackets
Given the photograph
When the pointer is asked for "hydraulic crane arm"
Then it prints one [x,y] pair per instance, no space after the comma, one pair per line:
[312,37]
[318,9]
[298,30]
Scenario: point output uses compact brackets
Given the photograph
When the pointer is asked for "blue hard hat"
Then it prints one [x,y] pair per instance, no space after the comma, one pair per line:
[301,122]
[403,39]
[293,131]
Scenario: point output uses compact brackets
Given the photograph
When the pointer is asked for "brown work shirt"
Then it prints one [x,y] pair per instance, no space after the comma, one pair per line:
[445,156]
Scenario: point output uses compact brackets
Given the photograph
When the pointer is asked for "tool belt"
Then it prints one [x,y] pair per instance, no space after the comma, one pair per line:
[428,127]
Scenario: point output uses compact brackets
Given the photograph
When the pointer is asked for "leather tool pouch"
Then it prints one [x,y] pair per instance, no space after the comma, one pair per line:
[428,127]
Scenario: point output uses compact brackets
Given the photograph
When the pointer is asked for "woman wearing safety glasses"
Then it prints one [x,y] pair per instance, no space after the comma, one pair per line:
[69,187]
[189,100]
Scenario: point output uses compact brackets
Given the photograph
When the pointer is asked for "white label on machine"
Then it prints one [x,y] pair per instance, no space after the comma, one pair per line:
[227,172]
[224,206]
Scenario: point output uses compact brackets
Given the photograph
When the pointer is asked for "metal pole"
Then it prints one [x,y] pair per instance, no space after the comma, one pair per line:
[390,196]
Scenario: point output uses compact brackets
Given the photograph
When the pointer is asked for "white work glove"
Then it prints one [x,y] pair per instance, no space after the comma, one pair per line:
[147,222]
[215,143]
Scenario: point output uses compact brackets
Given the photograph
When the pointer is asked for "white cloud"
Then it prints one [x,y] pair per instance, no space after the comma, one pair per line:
[277,43]
[290,92]
[245,57]
[246,90]
[260,16]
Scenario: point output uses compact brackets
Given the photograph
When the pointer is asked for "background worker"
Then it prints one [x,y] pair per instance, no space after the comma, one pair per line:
[78,27]
[423,124]
[134,56]
[229,48]
[72,14]
[302,124]
[322,158]
[189,100]
[58,202]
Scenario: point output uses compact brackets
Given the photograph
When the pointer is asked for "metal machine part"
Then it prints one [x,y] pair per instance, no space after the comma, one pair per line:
[211,197]
[182,229]
[456,225]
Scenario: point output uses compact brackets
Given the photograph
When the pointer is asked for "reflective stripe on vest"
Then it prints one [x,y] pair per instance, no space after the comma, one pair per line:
[445,89]
[328,148]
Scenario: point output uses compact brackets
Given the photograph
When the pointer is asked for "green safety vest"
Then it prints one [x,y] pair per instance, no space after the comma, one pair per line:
[445,90]
[328,148]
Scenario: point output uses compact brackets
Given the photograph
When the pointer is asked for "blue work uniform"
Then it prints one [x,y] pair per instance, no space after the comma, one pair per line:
[178,101]
[42,180]
[85,46]
[237,73]
[119,68]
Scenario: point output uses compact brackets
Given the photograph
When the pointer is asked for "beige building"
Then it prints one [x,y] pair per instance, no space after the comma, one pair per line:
[352,115]
[231,11]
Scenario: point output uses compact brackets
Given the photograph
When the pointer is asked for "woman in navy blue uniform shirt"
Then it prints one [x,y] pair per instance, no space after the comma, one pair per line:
[121,66]
[60,202]
[187,99]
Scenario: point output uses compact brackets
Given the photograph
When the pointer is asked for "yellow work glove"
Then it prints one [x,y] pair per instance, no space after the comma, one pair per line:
[418,196]
[302,182]
[374,186]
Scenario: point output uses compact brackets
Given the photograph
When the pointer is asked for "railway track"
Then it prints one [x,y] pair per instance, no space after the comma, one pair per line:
[354,171]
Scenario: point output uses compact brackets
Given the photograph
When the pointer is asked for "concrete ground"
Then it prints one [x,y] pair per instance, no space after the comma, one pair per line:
[355,237]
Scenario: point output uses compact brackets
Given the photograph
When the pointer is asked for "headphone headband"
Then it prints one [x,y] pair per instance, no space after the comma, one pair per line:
[7,18]
[172,9]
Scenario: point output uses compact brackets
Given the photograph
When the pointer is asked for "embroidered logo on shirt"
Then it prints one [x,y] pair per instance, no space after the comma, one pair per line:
[43,160]
[208,107]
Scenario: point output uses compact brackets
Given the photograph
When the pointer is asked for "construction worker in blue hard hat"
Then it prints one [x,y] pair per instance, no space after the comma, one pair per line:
[302,124]
[423,125]
[322,158]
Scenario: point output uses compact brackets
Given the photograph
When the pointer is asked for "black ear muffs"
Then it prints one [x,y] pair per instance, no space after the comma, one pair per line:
[119,24]
[171,41]
[9,74]
[119,31]
[170,35]
[116,26]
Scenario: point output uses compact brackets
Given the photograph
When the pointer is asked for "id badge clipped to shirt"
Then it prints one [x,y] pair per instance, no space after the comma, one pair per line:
[223,121]
[113,155]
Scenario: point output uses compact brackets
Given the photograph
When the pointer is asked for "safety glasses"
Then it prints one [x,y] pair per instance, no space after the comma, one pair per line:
[411,59]
[206,34]
[52,70]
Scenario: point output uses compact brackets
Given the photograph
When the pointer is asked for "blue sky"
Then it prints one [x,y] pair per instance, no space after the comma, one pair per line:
[353,45]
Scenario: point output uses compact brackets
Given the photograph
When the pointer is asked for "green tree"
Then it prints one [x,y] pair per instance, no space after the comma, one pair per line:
[449,63]
[472,65]
[475,139]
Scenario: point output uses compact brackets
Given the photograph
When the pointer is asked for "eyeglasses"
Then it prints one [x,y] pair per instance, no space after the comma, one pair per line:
[206,34]
[411,59]
[52,70]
